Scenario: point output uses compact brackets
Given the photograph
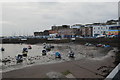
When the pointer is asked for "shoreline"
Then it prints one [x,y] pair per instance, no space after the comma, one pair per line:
[11,74]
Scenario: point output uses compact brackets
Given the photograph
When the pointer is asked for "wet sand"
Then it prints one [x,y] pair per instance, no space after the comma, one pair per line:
[92,65]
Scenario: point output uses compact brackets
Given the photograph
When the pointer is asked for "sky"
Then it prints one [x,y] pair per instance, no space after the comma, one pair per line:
[24,18]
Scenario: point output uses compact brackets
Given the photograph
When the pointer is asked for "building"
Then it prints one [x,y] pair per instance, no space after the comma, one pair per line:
[86,31]
[44,33]
[38,34]
[114,30]
[82,30]
[77,26]
[78,32]
[53,31]
[63,31]
[67,33]
[60,27]
[100,30]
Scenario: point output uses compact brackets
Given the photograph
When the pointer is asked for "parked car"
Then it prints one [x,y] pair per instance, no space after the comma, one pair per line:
[112,36]
[100,36]
[79,37]
[99,45]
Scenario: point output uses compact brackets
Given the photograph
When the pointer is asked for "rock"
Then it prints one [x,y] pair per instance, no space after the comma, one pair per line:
[70,76]
[55,75]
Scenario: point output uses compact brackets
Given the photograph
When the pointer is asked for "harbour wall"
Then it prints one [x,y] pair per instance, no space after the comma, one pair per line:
[109,41]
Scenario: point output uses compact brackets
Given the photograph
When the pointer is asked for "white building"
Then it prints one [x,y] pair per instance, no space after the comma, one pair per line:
[100,29]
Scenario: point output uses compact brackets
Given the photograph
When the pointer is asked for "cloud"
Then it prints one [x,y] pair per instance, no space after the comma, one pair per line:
[59,0]
[27,17]
[7,23]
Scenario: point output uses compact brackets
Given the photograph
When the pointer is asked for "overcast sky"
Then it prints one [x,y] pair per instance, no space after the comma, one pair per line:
[26,17]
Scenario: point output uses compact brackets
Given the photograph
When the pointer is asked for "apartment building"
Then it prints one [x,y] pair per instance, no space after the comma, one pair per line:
[100,30]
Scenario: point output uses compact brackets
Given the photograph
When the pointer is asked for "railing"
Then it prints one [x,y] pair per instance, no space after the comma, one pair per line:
[113,73]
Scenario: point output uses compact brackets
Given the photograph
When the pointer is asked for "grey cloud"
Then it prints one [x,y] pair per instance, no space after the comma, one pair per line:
[33,16]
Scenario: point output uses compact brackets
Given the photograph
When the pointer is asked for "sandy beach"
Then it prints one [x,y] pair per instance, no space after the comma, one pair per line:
[89,62]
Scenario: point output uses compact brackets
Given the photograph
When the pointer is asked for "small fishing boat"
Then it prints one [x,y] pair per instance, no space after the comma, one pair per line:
[25,50]
[57,55]
[44,52]
[29,47]
[2,49]
[71,54]
[19,58]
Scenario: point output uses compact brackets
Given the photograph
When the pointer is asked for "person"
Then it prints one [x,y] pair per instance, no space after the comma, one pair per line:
[71,54]
[57,55]
[19,58]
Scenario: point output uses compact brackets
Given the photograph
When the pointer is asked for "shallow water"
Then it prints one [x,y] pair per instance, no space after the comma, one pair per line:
[34,56]
[11,50]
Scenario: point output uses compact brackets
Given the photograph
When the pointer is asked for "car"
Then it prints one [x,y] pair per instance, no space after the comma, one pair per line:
[112,36]
[100,36]
[99,45]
